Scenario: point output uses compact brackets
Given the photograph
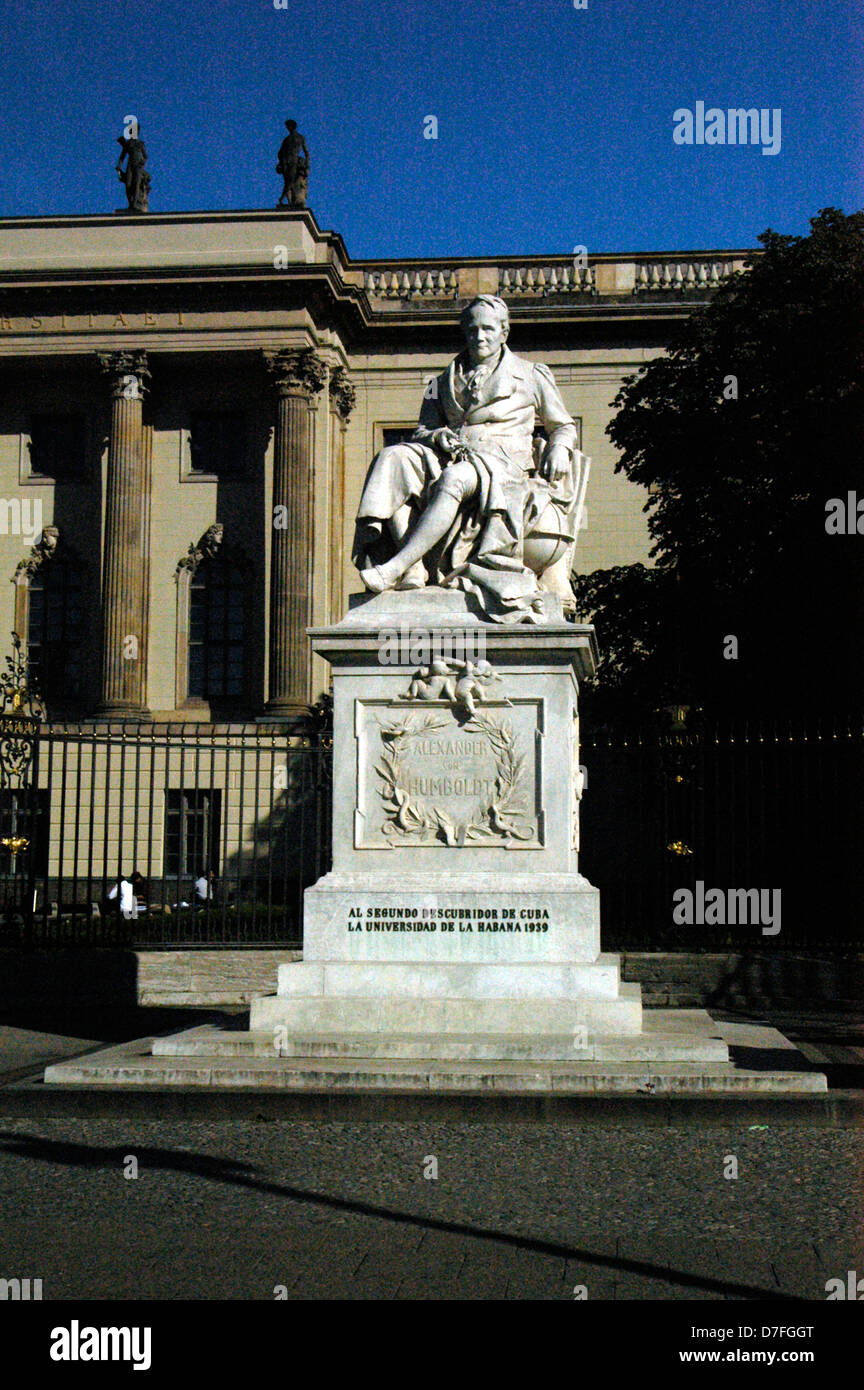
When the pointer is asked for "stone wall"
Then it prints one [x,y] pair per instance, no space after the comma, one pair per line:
[101,978]
[731,980]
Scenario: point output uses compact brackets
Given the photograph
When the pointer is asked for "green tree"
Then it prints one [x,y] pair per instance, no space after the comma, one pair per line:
[742,431]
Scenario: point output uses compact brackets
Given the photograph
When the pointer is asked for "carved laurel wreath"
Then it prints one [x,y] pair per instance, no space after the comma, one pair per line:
[412,820]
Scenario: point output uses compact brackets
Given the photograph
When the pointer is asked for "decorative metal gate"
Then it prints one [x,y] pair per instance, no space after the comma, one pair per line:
[21,835]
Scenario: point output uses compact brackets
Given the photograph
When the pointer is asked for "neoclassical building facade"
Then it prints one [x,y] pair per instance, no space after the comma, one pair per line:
[189,405]
[191,402]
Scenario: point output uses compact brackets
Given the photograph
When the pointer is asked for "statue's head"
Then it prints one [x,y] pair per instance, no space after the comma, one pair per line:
[290,125]
[485,323]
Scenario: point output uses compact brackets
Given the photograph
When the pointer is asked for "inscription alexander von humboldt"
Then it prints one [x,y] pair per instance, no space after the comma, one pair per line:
[451,782]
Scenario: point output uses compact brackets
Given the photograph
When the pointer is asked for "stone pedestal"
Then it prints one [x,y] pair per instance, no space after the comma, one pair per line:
[454,948]
[455,907]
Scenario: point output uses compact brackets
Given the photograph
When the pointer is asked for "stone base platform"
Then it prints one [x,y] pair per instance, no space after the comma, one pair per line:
[679,1052]
[685,1044]
[570,998]
[374,1016]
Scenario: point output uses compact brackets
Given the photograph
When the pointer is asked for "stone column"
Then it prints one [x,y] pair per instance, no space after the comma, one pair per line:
[298,375]
[342,398]
[125,605]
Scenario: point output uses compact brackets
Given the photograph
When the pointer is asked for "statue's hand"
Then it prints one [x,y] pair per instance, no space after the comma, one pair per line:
[556,463]
[447,441]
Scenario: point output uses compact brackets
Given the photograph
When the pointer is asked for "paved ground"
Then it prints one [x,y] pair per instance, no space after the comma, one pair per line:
[621,1203]
[232,1209]
[25,1051]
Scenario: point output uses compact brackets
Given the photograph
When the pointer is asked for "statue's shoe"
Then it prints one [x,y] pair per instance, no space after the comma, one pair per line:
[377,578]
[415,578]
[374,580]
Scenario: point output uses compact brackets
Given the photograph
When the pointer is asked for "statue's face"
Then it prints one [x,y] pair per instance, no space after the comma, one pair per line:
[485,334]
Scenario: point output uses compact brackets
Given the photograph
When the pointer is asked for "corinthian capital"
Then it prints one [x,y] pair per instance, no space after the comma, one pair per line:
[296,370]
[343,393]
[127,371]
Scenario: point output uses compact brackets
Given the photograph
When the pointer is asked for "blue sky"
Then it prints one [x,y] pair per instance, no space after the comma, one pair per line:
[554,124]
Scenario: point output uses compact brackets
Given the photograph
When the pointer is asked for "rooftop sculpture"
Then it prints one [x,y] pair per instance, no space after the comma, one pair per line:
[134,176]
[293,165]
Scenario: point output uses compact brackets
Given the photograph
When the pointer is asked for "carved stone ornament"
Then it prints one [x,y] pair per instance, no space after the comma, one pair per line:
[128,371]
[296,370]
[459,683]
[414,820]
[343,393]
[205,549]
[43,550]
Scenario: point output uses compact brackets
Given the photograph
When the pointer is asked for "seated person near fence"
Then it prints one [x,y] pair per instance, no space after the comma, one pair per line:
[139,888]
[124,898]
[204,888]
[130,895]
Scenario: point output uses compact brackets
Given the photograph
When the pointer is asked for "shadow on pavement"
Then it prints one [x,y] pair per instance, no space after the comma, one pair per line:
[241,1174]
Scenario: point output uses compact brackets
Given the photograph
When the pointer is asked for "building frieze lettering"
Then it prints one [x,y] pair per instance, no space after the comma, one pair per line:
[70,323]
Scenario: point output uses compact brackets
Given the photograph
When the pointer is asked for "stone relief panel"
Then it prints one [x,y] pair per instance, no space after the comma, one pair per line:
[444,775]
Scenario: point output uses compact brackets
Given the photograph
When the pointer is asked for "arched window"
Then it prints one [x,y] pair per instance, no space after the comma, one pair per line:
[55,632]
[217,630]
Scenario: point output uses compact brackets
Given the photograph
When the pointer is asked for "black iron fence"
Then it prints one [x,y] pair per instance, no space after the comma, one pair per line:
[225,825]
[767,804]
[164,834]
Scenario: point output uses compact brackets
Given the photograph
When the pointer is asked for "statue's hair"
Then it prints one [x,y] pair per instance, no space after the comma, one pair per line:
[492,302]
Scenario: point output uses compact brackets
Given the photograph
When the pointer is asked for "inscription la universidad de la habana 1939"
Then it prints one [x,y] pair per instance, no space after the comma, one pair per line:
[449,919]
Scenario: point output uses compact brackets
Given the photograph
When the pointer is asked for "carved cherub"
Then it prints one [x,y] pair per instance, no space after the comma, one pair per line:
[433,682]
[474,684]
[440,681]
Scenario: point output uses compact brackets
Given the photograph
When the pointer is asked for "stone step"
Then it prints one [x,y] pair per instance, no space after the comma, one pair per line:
[133,1064]
[354,1015]
[598,979]
[659,1047]
[679,1052]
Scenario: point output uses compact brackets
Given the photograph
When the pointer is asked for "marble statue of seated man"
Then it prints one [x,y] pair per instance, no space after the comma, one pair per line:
[469,502]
